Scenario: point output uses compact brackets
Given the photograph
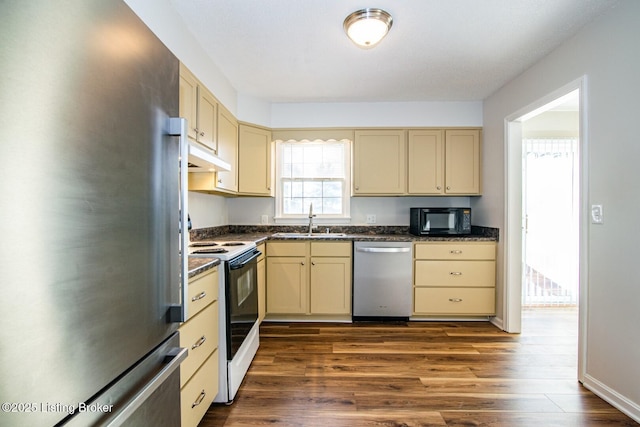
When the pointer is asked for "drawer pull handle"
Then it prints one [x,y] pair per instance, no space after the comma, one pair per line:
[199,399]
[455,273]
[455,252]
[455,299]
[199,342]
[199,296]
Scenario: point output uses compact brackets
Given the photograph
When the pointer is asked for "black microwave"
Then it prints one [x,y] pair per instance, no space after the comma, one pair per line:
[440,221]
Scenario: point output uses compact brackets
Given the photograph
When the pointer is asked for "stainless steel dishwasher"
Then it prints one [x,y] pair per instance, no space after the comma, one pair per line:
[382,280]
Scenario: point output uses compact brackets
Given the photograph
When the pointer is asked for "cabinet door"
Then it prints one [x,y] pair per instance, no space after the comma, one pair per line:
[254,161]
[379,162]
[228,150]
[462,161]
[207,116]
[330,285]
[287,285]
[189,100]
[425,162]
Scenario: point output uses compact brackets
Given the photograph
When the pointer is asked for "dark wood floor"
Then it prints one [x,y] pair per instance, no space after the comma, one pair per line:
[417,374]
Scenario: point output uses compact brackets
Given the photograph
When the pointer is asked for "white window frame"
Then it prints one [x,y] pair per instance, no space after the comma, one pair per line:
[294,219]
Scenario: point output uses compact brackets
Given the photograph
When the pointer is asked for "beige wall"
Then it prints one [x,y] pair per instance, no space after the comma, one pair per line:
[606,52]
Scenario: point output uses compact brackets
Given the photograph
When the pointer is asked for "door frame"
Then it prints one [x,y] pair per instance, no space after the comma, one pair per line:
[514,219]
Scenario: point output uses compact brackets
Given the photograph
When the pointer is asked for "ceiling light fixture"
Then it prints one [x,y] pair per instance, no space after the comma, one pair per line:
[367,27]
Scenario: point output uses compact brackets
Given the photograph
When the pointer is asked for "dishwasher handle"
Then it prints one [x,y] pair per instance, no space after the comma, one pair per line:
[384,250]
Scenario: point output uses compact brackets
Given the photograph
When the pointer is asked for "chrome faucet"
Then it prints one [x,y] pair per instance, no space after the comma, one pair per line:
[311,215]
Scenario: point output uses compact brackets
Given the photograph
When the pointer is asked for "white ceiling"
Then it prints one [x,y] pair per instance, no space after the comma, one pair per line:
[437,50]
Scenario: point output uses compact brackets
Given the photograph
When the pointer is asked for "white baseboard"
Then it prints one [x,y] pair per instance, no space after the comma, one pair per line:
[498,322]
[620,402]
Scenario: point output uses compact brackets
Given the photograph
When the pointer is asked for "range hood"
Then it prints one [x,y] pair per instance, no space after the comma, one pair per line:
[203,160]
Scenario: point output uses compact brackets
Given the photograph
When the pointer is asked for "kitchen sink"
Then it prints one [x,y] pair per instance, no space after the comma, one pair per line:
[309,236]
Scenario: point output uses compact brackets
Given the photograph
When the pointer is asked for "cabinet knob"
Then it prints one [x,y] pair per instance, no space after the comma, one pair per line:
[455,273]
[201,133]
[438,188]
[219,181]
[199,399]
[455,299]
[302,263]
[448,188]
[199,342]
[357,188]
[456,252]
[199,296]
[313,263]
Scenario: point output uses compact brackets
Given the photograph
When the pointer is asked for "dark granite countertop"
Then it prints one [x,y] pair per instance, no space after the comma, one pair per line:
[260,234]
[199,265]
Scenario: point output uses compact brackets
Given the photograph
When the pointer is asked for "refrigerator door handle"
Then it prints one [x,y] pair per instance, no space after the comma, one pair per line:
[172,360]
[178,127]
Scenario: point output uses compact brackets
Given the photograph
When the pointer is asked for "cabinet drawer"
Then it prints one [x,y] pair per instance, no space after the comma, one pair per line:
[332,249]
[200,336]
[203,290]
[287,248]
[455,273]
[466,250]
[198,394]
[446,301]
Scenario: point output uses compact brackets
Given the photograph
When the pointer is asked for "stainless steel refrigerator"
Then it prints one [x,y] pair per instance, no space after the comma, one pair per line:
[90,263]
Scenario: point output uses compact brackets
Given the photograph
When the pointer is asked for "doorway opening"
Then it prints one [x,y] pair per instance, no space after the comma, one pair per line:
[545,260]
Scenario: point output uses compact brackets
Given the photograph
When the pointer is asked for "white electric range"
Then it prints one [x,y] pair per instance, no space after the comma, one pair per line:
[238,309]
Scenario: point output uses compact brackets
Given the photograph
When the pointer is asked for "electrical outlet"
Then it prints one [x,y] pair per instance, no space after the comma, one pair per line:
[264,220]
[371,219]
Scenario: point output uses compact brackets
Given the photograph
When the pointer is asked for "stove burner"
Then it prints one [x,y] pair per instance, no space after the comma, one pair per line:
[233,244]
[211,251]
[197,244]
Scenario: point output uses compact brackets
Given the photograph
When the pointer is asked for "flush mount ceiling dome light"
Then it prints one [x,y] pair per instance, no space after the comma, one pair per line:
[367,27]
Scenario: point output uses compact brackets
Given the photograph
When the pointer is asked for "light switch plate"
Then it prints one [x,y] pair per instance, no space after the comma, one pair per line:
[371,219]
[264,220]
[597,214]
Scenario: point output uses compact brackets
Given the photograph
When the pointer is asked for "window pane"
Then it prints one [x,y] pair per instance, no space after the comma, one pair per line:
[312,189]
[292,206]
[332,189]
[332,205]
[296,189]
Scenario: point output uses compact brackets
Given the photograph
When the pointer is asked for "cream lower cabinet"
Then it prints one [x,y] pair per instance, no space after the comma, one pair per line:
[309,278]
[199,371]
[454,278]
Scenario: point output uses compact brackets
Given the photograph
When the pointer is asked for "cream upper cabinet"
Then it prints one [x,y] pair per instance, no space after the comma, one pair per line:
[379,162]
[199,107]
[462,161]
[444,162]
[255,160]
[227,150]
[426,162]
[189,100]
[207,116]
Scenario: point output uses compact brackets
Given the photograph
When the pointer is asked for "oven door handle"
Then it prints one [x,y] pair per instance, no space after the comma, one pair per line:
[236,266]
